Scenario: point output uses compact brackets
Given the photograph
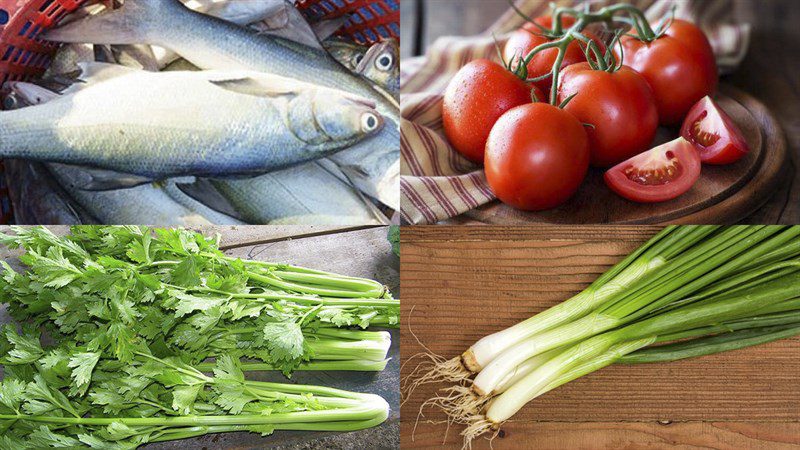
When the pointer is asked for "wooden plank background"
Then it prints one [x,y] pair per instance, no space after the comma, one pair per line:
[359,251]
[466,282]
[769,72]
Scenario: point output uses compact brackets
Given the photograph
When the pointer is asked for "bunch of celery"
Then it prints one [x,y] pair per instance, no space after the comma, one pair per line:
[712,288]
[136,313]
[175,288]
[67,397]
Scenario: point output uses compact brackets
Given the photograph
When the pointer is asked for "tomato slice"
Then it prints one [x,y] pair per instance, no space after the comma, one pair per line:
[657,175]
[713,133]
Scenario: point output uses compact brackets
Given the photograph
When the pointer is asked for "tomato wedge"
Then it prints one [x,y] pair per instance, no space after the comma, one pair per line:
[713,133]
[657,175]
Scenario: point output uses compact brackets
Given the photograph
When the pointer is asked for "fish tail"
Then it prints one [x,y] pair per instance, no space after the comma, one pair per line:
[128,25]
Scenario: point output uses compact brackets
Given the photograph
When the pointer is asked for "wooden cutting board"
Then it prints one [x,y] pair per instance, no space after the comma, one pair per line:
[462,283]
[724,194]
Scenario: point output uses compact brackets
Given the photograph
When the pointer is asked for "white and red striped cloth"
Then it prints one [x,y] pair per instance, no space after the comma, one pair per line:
[436,182]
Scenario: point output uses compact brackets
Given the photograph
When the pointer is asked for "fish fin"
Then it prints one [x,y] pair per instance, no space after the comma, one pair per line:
[324,29]
[204,192]
[95,72]
[136,56]
[333,169]
[289,24]
[93,179]
[267,86]
[126,25]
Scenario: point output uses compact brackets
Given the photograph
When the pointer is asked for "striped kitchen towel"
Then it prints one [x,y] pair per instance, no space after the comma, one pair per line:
[436,182]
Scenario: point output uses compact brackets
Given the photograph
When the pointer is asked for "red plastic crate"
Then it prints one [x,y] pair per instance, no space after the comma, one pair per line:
[370,21]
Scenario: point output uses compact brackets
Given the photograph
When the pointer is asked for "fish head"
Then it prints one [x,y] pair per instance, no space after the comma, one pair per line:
[381,62]
[321,116]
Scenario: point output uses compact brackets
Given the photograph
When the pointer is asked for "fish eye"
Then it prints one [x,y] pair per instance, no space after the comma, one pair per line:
[385,62]
[369,122]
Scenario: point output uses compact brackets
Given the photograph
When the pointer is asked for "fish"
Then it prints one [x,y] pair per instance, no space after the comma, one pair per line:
[136,56]
[238,12]
[216,217]
[23,93]
[67,58]
[211,43]
[302,195]
[349,54]
[146,204]
[172,124]
[381,65]
[37,197]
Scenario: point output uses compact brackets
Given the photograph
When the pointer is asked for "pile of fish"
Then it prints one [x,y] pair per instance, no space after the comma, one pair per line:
[191,112]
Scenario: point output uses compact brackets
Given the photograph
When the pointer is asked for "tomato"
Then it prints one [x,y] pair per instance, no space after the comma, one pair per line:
[679,66]
[547,22]
[713,133]
[537,156]
[528,37]
[620,106]
[475,98]
[656,175]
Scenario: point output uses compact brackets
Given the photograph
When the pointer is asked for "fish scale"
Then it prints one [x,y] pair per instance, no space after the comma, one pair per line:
[171,124]
[212,43]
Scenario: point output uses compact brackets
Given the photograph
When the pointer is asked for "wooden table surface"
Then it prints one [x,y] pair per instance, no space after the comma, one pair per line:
[466,282]
[360,252]
[769,71]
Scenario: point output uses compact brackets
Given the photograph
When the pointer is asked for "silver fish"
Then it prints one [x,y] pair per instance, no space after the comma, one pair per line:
[147,204]
[349,54]
[180,197]
[238,12]
[303,195]
[37,197]
[168,124]
[381,65]
[211,43]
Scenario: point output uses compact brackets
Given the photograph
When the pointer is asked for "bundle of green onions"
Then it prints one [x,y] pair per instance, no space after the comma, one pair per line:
[706,289]
[155,329]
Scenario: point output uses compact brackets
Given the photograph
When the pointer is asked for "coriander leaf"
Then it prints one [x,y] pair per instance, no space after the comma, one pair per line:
[82,365]
[186,273]
[232,397]
[43,437]
[284,340]
[228,368]
[11,393]
[188,303]
[101,444]
[183,398]
[139,251]
[265,430]
[26,349]
[111,402]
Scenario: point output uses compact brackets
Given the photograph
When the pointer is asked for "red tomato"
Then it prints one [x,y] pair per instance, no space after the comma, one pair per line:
[713,134]
[547,22]
[620,106]
[536,156]
[475,98]
[657,175]
[527,38]
[679,66]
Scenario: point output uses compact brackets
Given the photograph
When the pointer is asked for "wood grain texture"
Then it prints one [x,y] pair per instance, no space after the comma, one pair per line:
[462,283]
[768,73]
